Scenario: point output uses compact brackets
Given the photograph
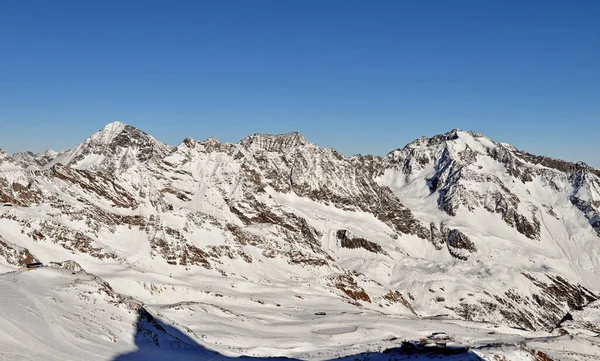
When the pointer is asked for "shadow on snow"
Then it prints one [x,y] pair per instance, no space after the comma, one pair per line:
[158,341]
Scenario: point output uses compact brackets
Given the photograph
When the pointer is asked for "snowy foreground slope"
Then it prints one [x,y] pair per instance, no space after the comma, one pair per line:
[68,314]
[211,250]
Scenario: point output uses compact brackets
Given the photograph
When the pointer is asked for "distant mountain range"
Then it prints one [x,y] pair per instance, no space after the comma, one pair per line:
[455,226]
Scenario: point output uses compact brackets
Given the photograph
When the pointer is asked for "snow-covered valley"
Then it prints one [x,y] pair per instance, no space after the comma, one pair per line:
[454,246]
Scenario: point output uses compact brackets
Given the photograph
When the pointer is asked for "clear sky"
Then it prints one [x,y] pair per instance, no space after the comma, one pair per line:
[359,76]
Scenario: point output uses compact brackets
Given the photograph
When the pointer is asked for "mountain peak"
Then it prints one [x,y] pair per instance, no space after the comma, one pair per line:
[116,146]
[109,132]
[5,155]
[454,134]
[24,155]
[274,142]
[47,152]
[458,133]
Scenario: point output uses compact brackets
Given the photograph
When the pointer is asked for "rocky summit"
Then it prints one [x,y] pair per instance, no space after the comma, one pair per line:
[454,228]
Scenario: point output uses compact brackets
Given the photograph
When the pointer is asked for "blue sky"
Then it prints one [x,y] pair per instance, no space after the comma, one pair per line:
[359,76]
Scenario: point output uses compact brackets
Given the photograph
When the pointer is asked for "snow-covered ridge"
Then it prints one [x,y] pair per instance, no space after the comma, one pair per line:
[108,132]
[270,142]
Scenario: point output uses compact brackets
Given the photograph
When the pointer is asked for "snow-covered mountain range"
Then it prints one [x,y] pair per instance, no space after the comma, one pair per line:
[222,239]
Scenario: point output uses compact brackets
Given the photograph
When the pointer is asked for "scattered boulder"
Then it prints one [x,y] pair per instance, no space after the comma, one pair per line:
[347,240]
[459,245]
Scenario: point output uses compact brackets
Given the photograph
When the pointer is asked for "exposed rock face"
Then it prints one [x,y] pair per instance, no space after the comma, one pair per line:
[438,237]
[397,297]
[15,255]
[460,245]
[288,163]
[538,311]
[586,198]
[348,241]
[274,143]
[348,285]
[456,207]
[581,319]
[584,179]
[68,265]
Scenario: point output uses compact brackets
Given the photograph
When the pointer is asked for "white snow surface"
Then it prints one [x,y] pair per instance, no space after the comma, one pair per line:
[72,315]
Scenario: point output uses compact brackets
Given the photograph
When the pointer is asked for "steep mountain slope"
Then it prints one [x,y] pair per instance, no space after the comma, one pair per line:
[456,225]
[521,212]
[465,172]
